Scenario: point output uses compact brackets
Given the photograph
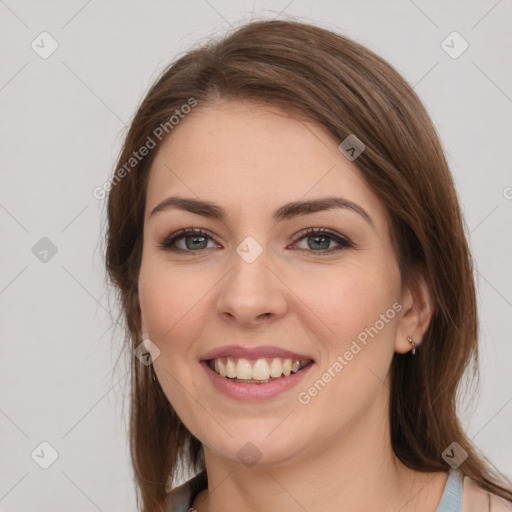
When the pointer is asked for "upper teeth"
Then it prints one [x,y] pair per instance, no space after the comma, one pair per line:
[261,369]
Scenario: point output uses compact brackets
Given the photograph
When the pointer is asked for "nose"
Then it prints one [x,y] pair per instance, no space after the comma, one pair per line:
[252,293]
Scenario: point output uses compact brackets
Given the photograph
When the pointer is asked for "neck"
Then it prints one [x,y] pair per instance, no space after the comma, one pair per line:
[353,470]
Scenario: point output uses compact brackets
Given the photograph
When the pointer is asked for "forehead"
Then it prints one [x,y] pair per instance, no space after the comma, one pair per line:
[242,153]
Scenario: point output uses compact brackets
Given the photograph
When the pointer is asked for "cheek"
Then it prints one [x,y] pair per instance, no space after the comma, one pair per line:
[175,303]
[171,300]
[348,301]
[357,306]
[172,308]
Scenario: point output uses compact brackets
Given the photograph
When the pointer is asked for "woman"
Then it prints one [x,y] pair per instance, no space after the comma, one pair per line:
[286,239]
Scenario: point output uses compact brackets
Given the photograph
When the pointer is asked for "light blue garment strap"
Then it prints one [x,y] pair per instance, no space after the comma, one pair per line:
[451,501]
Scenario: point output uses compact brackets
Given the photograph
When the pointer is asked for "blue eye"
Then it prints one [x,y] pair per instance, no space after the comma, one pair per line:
[196,240]
[322,237]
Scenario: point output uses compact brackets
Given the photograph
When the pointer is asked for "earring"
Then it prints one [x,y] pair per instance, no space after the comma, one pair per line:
[411,341]
[146,341]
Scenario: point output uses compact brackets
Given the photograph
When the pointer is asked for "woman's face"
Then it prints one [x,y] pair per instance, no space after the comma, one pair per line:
[256,279]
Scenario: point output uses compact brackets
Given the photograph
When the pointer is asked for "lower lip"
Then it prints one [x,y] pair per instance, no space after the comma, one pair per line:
[254,392]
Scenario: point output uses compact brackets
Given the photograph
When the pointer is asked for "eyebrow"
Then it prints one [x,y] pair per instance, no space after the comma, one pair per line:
[285,212]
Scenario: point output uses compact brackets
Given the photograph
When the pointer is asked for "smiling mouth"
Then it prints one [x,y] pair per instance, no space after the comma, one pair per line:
[258,371]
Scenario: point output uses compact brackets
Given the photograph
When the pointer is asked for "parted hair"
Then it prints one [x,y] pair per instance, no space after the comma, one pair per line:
[332,80]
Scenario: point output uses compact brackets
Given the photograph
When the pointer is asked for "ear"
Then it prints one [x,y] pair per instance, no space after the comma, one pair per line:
[417,310]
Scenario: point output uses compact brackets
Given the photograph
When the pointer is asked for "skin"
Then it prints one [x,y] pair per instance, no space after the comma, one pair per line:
[333,453]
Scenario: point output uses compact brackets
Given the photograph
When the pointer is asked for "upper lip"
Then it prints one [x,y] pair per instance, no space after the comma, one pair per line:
[261,351]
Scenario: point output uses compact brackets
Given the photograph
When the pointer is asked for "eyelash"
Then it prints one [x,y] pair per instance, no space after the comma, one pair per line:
[345,243]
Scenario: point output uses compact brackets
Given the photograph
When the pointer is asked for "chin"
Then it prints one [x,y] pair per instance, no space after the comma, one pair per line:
[260,447]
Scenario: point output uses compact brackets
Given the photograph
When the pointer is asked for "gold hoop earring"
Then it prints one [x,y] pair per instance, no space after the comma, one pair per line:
[411,341]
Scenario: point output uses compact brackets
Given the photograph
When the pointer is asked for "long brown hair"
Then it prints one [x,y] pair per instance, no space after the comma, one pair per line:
[330,79]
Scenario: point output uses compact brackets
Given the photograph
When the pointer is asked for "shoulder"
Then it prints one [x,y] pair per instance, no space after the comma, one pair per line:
[180,498]
[476,499]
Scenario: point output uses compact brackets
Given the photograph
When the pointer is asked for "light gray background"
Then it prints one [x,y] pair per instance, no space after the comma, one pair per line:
[63,119]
